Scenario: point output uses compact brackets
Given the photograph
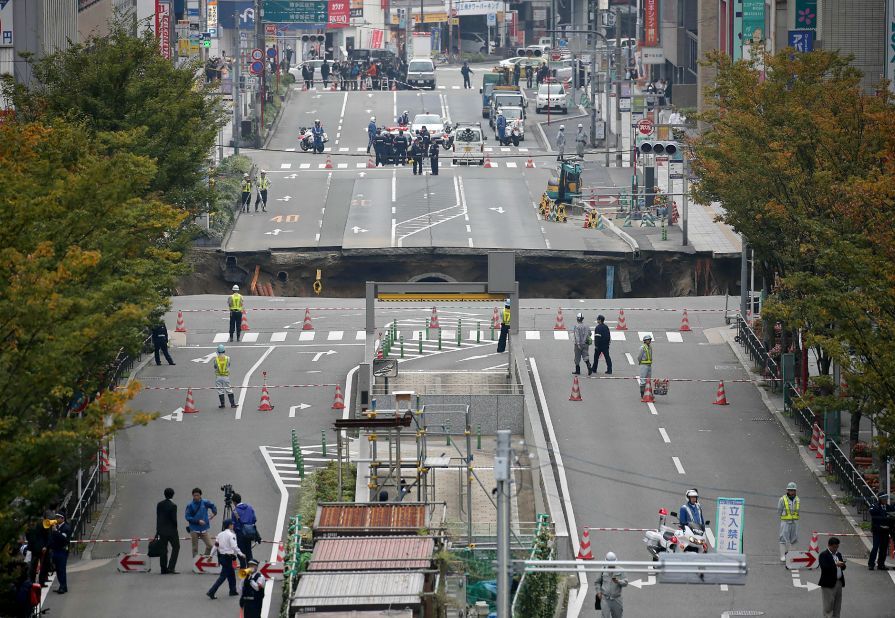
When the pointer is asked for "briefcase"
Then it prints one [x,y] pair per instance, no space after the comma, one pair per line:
[156,547]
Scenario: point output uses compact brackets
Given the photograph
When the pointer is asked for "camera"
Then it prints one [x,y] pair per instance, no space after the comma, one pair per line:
[228,495]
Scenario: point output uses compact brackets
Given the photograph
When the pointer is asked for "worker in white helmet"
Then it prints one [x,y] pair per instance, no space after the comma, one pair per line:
[581,342]
[609,590]
[234,304]
[580,141]
[560,142]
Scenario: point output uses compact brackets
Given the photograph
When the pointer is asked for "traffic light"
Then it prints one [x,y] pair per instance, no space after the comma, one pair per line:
[206,39]
[659,148]
[312,38]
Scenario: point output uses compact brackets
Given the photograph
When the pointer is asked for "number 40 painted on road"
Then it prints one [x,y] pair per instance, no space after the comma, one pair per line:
[285,219]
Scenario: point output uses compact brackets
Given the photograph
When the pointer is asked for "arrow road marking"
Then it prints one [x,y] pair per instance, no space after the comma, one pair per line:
[176,415]
[300,406]
[358,230]
[639,583]
[204,359]
[319,354]
[291,176]
[285,198]
[499,210]
[797,582]
[276,232]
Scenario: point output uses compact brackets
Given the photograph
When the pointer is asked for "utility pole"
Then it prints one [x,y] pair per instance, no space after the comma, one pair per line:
[744,274]
[502,476]
[684,200]
[259,98]
[236,92]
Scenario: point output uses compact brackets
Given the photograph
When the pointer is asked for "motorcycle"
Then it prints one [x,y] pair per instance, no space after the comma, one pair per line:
[689,538]
[512,135]
[306,139]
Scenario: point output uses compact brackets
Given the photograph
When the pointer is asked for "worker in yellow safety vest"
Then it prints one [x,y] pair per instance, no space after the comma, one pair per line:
[234,304]
[788,510]
[246,192]
[645,360]
[222,377]
[504,327]
[263,186]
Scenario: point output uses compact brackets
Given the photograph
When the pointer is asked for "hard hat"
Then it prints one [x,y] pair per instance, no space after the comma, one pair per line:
[611,557]
[220,348]
[253,561]
[246,175]
[263,172]
[580,126]
[580,317]
[692,493]
[647,337]
[792,486]
[372,118]
[316,120]
[406,112]
[506,303]
[235,288]
[562,127]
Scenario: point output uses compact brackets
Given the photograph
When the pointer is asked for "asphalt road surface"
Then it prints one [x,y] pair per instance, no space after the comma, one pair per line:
[352,206]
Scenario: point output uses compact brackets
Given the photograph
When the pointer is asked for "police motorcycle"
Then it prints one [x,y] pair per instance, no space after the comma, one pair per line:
[665,538]
[512,134]
[306,139]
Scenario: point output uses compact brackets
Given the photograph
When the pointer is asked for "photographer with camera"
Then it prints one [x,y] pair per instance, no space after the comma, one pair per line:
[245,524]
[199,520]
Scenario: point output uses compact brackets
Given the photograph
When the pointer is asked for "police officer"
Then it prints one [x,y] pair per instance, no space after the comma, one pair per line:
[222,376]
[263,186]
[246,192]
[416,156]
[60,536]
[404,119]
[401,148]
[234,303]
[160,343]
[379,147]
[788,510]
[504,327]
[317,134]
[371,133]
[252,597]
[645,360]
[501,125]
[424,134]
[433,158]
[881,522]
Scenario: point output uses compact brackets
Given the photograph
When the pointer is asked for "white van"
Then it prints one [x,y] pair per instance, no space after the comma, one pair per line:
[421,72]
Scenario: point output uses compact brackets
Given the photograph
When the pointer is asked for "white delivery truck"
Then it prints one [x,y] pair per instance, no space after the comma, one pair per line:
[421,45]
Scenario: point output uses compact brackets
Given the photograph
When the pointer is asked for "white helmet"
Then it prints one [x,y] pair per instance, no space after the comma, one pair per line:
[235,288]
[372,118]
[692,493]
[562,127]
[580,317]
[580,126]
[263,172]
[611,557]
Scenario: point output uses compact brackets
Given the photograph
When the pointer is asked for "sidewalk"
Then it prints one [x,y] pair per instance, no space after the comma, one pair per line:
[710,236]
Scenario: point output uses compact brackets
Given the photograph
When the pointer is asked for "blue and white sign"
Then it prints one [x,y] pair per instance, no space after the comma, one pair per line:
[801,40]
[730,520]
[492,19]
[242,11]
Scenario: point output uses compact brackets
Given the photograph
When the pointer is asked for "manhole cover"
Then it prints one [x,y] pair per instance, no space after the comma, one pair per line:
[726,367]
[762,419]
[743,612]
[150,378]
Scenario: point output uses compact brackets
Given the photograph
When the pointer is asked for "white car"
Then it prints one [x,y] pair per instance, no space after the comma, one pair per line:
[433,123]
[469,144]
[552,95]
[474,43]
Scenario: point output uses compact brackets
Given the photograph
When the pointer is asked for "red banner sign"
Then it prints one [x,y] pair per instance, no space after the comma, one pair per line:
[651,23]
[339,13]
[376,39]
[163,27]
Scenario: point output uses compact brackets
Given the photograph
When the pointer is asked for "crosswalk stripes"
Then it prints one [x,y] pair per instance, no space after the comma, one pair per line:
[283,462]
[616,335]
[276,337]
[304,166]
[334,335]
[249,337]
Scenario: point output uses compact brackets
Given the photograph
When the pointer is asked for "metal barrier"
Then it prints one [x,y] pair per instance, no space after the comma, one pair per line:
[90,497]
[770,370]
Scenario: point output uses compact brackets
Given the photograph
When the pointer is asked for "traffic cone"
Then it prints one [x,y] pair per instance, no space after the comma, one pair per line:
[338,400]
[815,434]
[721,396]
[245,321]
[529,163]
[394,85]
[576,390]
[487,162]
[433,323]
[812,546]
[104,459]
[265,405]
[584,551]
[333,87]
[685,323]
[190,406]
[821,444]
[622,325]
[648,393]
[560,322]
[370,163]
[135,546]
[307,325]
[281,553]
[586,220]
[495,319]
[304,87]
[329,163]
[181,327]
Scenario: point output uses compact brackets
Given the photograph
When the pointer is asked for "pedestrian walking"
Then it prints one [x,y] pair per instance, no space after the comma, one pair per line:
[465,71]
[580,141]
[645,360]
[832,580]
[504,327]
[160,343]
[199,513]
[234,304]
[263,186]
[245,525]
[246,192]
[602,339]
[517,72]
[166,531]
[529,74]
[371,133]
[252,598]
[289,56]
[609,590]
[561,142]
[324,73]
[882,520]
[433,158]
[60,536]
[226,550]
[788,511]
[222,377]
[581,343]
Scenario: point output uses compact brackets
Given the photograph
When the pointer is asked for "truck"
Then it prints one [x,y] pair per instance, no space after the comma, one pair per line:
[421,45]
[505,95]
[498,77]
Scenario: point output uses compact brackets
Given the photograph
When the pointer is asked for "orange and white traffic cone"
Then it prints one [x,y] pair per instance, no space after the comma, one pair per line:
[585,552]
[265,405]
[370,163]
[685,323]
[338,400]
[394,85]
[495,319]
[329,164]
[576,390]
[181,327]
[104,465]
[821,445]
[333,87]
[815,435]
[648,393]
[281,553]
[622,325]
[135,546]
[307,324]
[487,162]
[560,322]
[720,396]
[190,406]
[433,323]
[530,163]
[245,321]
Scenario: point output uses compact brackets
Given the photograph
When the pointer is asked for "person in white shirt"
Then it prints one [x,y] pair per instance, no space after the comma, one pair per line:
[226,549]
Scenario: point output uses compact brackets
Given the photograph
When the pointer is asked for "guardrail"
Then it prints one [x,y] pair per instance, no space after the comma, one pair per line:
[91,494]
[770,369]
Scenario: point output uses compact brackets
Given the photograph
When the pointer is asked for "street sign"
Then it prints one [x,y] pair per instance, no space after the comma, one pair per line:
[257,67]
[257,54]
[206,565]
[607,19]
[801,560]
[270,570]
[133,563]
[730,517]
[272,53]
[297,12]
[645,126]
[801,40]
[492,19]
[652,55]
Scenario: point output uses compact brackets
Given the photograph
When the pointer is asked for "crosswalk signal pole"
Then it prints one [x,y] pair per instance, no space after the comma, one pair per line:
[502,476]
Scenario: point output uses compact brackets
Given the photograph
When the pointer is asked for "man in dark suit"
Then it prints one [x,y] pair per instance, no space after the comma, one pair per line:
[166,529]
[602,339]
[832,581]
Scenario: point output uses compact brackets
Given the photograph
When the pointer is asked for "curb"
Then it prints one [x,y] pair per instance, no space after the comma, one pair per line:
[807,458]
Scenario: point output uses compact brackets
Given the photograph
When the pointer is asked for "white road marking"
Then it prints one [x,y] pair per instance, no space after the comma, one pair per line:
[617,335]
[664,435]
[306,335]
[677,464]
[221,337]
[292,409]
[522,149]
[361,149]
[511,164]
[343,149]
[290,150]
[504,149]
[304,166]
[321,166]
[394,187]
[278,531]
[248,376]
[316,237]
[532,334]
[360,165]
[652,408]
[470,243]
[630,358]
[642,334]
[280,336]
[341,166]
[285,166]
[250,337]
[674,337]
[561,335]
[360,336]
[335,335]
[723,587]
